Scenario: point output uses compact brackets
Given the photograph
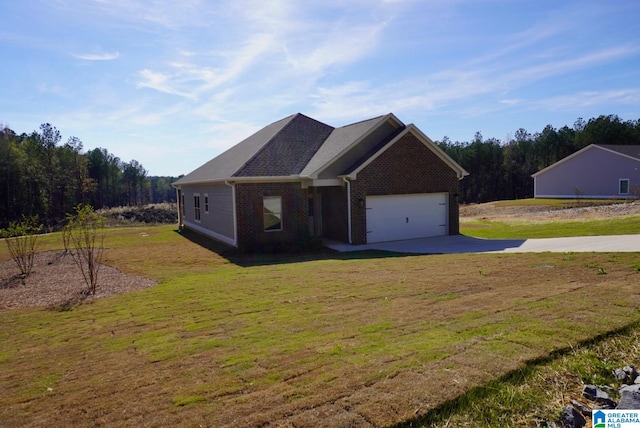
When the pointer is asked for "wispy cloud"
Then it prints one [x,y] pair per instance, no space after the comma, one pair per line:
[98,57]
[539,71]
[167,14]
[284,50]
[584,99]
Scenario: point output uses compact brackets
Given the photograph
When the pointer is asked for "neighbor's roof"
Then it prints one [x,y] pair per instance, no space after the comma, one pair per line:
[631,151]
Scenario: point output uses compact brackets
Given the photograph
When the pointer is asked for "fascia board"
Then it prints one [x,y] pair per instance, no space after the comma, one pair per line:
[265,179]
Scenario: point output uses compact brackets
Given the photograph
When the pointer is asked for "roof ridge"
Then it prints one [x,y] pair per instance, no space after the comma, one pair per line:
[364,120]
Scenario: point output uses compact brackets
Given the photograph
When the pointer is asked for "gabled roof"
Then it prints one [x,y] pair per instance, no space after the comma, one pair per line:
[301,147]
[411,128]
[289,151]
[629,151]
[632,151]
[228,163]
[340,140]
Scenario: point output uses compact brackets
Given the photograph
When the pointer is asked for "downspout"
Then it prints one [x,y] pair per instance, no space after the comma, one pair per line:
[233,202]
[179,199]
[346,180]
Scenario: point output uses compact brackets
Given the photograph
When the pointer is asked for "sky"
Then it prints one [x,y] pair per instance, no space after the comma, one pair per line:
[173,84]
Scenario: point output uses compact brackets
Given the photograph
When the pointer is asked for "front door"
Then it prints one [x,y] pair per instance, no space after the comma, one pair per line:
[315,214]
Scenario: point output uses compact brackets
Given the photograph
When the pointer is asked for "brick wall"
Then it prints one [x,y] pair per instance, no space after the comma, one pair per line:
[249,215]
[406,167]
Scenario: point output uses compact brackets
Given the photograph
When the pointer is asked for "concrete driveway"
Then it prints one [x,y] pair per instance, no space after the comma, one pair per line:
[467,244]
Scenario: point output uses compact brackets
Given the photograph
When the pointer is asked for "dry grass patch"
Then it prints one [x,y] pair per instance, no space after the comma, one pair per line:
[368,339]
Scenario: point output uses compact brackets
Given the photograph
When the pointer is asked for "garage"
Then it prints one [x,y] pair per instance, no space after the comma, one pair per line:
[398,217]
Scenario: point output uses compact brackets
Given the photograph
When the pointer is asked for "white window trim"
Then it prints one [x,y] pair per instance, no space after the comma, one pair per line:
[281,214]
[206,203]
[197,213]
[620,185]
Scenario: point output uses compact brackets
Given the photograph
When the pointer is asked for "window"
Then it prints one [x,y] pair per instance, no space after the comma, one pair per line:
[624,186]
[272,213]
[182,204]
[196,204]
[206,203]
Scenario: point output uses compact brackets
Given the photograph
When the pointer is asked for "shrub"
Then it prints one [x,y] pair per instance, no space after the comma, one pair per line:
[22,241]
[83,237]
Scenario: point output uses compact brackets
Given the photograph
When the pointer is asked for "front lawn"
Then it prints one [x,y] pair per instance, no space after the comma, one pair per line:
[332,339]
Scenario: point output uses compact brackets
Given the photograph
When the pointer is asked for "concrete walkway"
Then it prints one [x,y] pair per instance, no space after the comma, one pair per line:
[467,244]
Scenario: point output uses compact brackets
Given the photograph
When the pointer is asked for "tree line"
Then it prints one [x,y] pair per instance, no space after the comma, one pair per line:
[501,170]
[40,175]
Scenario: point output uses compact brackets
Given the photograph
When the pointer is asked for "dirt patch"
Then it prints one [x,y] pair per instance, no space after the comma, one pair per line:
[56,280]
[495,211]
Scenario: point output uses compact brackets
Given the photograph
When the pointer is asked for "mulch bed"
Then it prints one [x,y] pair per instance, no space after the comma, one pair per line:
[56,281]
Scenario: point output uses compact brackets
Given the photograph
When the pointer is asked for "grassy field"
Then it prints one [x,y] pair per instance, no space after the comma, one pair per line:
[526,227]
[362,339]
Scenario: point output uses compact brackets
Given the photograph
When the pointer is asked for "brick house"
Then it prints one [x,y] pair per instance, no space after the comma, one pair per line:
[371,181]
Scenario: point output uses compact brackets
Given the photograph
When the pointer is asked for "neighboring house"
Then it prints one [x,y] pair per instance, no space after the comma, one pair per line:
[596,171]
[371,181]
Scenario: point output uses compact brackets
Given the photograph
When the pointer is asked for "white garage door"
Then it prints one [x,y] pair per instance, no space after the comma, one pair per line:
[396,217]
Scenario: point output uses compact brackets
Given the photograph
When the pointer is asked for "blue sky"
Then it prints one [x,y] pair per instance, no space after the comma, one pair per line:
[171,84]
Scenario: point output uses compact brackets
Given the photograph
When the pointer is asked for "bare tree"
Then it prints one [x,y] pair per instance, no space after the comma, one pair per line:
[22,241]
[83,237]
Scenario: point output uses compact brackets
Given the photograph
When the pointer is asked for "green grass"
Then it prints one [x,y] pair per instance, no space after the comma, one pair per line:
[522,229]
[537,393]
[224,337]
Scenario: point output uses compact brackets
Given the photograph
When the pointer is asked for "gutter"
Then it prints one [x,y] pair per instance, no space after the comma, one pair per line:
[346,180]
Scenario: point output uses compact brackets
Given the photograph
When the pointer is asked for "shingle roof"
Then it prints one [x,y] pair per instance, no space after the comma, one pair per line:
[628,150]
[289,151]
[228,163]
[339,140]
[298,146]
[373,150]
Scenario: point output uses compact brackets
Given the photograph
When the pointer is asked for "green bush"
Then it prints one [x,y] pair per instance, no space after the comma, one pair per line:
[83,238]
[22,241]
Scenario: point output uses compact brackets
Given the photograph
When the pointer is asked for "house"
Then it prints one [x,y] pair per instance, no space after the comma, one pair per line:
[371,181]
[596,171]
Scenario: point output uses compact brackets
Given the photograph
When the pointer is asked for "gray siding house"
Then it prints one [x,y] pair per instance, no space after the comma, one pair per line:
[371,181]
[596,171]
